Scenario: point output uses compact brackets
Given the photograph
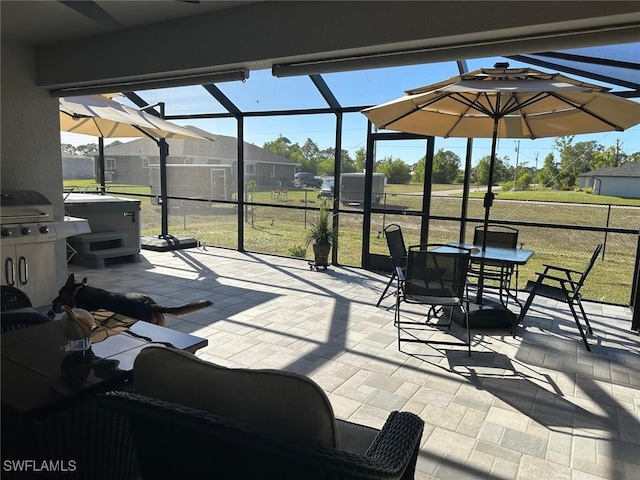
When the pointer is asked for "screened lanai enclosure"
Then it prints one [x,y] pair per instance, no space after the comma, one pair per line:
[236,188]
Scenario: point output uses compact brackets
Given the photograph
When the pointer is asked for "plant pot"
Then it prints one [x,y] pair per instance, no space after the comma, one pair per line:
[321,253]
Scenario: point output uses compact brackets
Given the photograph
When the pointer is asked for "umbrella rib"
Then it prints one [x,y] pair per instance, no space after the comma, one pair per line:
[469,104]
[415,108]
[472,104]
[514,105]
[617,128]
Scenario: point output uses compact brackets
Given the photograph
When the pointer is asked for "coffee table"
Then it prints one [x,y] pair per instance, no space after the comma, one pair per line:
[39,378]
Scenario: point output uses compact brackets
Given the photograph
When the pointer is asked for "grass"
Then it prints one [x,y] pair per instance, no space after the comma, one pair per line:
[274,230]
[548,195]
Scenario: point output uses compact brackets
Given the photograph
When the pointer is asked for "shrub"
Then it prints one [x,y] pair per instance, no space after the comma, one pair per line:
[298,251]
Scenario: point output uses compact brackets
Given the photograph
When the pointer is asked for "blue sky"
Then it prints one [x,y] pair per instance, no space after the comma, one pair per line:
[263,92]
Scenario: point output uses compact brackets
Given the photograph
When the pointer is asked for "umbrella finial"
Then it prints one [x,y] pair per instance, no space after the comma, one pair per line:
[501,65]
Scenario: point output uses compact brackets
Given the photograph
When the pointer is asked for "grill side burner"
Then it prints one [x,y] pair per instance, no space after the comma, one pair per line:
[27,237]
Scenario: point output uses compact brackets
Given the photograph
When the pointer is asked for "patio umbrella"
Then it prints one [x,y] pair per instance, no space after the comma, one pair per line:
[99,116]
[506,103]
[102,117]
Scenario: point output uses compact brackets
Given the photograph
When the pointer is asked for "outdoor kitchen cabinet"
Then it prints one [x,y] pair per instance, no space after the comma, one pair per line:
[31,268]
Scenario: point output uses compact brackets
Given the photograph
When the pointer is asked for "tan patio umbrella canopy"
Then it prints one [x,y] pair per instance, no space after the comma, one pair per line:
[100,116]
[527,103]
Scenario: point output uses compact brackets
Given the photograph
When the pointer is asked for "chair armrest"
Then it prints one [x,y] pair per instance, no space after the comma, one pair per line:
[400,274]
[545,276]
[561,269]
[398,441]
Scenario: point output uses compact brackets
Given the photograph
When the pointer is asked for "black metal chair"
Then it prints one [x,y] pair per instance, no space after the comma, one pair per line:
[565,287]
[497,274]
[398,255]
[17,311]
[435,275]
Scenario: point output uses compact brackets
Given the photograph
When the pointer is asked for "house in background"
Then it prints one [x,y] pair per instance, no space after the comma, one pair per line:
[623,181]
[204,169]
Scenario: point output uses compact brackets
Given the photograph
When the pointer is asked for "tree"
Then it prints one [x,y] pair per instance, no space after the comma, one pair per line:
[445,167]
[327,161]
[396,170]
[610,157]
[87,150]
[418,171]
[282,146]
[360,160]
[634,157]
[575,159]
[68,148]
[547,175]
[311,154]
[500,171]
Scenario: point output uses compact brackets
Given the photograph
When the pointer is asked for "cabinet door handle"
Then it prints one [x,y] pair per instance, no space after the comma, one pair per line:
[10,271]
[23,271]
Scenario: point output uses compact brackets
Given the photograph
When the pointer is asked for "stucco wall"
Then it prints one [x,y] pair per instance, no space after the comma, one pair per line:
[30,147]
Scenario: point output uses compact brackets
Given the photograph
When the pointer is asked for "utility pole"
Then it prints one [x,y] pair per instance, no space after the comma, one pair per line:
[515,171]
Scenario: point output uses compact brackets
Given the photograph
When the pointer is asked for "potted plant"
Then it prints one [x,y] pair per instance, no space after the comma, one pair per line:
[321,236]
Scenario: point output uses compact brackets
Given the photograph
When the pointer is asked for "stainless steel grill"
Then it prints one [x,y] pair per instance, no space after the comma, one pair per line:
[28,234]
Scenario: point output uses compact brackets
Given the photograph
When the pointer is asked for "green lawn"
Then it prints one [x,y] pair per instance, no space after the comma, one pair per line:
[547,195]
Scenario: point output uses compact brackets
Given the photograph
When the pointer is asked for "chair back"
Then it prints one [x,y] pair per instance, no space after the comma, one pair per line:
[436,270]
[397,247]
[497,236]
[13,298]
[588,268]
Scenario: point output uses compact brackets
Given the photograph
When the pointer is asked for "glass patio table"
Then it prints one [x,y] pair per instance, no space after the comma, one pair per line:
[486,312]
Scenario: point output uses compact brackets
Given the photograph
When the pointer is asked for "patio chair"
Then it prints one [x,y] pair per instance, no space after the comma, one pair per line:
[17,310]
[193,419]
[561,284]
[398,256]
[497,274]
[437,279]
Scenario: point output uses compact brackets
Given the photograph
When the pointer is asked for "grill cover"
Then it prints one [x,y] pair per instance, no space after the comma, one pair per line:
[24,206]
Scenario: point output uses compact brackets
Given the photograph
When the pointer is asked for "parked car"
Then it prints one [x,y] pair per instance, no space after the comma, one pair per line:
[326,189]
[306,179]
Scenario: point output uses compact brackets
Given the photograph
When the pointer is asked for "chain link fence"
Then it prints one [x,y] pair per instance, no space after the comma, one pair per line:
[564,234]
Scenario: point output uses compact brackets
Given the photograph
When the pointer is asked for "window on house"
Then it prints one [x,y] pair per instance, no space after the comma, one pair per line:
[109,164]
[145,162]
[250,169]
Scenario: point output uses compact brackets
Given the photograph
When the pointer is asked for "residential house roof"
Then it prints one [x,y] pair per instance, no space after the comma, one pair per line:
[220,147]
[631,169]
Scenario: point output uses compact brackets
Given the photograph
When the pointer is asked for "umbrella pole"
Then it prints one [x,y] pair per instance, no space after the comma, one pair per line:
[489,196]
[488,201]
[164,153]
[101,166]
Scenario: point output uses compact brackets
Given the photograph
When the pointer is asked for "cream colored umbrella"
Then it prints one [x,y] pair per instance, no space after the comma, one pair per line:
[506,103]
[100,116]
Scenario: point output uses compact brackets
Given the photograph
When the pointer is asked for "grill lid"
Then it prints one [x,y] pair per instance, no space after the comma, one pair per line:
[24,206]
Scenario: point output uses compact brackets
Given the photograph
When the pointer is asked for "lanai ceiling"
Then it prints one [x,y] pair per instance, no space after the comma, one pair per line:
[95,42]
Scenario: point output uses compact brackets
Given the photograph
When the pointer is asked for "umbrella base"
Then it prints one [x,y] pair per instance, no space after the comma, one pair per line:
[167,243]
[491,314]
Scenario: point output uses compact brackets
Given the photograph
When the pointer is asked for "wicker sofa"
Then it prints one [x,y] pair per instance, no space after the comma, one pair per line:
[193,419]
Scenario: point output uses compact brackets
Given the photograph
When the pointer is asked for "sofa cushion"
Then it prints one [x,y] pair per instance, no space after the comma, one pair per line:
[274,401]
